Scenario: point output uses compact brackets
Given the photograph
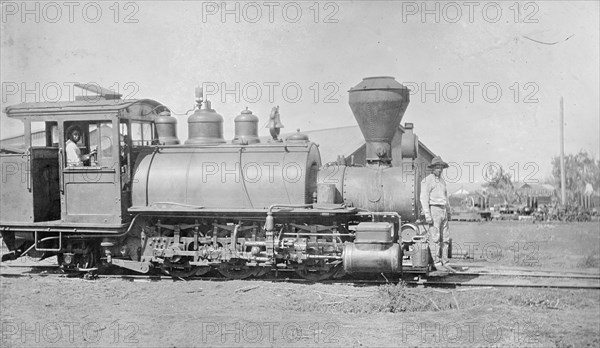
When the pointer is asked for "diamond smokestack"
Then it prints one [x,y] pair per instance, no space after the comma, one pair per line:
[378,104]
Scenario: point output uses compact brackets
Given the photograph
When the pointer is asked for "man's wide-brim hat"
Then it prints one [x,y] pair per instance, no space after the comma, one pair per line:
[437,162]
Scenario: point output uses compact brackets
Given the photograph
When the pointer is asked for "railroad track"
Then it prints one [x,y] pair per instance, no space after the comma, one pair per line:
[515,279]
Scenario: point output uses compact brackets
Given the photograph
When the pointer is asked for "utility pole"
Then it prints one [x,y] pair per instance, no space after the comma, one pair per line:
[562,153]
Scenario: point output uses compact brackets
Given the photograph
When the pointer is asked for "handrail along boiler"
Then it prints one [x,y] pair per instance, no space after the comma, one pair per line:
[242,207]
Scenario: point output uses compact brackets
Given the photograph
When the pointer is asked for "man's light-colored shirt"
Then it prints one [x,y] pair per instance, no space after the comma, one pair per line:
[433,192]
[73,154]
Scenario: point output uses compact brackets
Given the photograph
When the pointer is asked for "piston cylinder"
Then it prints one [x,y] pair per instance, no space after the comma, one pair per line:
[373,250]
[372,258]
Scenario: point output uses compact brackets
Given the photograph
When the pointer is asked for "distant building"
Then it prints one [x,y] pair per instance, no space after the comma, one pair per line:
[16,144]
[542,193]
[524,193]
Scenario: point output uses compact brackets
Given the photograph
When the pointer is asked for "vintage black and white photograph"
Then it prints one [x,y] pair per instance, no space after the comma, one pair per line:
[300,173]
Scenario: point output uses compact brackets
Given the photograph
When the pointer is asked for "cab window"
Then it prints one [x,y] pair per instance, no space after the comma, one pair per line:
[96,146]
[142,133]
[101,139]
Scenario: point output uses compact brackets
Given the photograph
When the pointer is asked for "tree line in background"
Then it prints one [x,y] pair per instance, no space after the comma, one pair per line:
[582,174]
[581,170]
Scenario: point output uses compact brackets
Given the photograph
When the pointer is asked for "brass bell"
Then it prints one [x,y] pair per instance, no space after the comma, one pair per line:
[275,119]
[274,124]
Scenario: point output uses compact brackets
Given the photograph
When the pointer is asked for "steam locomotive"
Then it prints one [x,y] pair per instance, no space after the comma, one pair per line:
[145,202]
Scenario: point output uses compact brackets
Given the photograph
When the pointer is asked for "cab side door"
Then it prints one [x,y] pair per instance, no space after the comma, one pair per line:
[91,194]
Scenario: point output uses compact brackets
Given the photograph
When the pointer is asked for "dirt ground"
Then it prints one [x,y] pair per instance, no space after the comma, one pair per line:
[551,246]
[52,311]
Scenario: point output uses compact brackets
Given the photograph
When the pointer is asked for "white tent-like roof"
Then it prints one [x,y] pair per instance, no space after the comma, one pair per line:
[460,192]
[589,189]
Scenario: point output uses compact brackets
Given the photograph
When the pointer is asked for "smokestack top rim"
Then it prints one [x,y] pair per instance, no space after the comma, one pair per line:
[378,77]
[379,83]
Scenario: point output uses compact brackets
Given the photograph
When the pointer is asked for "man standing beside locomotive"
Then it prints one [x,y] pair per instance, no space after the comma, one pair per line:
[436,208]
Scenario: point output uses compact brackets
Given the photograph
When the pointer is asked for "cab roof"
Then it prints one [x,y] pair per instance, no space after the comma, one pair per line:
[82,106]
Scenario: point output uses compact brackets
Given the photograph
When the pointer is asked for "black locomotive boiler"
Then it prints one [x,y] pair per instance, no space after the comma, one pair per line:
[146,202]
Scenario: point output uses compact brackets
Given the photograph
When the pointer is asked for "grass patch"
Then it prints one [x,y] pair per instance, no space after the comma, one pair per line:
[399,298]
[590,261]
[555,246]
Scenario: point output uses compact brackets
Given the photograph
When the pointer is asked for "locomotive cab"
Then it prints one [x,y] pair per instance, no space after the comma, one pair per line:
[57,190]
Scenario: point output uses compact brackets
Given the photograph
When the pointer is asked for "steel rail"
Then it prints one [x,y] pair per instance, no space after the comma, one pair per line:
[443,281]
[550,275]
[533,275]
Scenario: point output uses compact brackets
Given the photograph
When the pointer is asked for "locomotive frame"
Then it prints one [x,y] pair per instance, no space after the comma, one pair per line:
[140,205]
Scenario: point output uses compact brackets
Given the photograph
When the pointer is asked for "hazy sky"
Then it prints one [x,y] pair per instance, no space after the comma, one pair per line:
[487,77]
